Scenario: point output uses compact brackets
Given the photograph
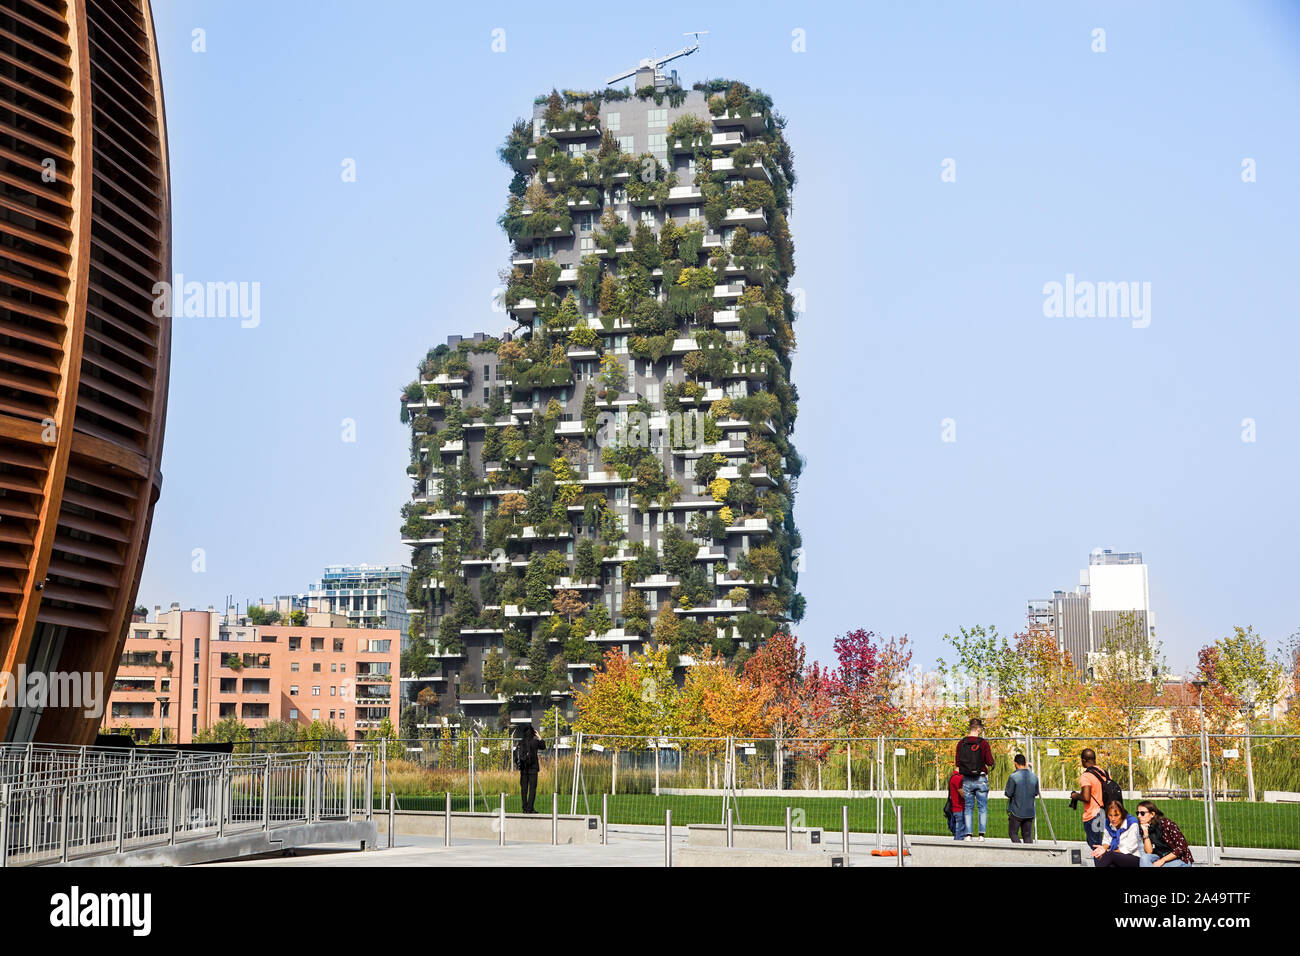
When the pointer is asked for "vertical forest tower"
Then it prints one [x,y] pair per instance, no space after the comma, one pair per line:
[616,467]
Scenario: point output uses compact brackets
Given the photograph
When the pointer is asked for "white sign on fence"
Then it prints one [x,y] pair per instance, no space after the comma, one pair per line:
[599,748]
[1231,753]
[1053,751]
[900,752]
[750,751]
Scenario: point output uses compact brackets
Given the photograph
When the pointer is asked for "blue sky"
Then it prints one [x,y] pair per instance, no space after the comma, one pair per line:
[924,298]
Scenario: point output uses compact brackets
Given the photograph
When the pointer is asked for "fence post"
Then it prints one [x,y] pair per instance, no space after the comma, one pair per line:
[171,802]
[67,813]
[555,818]
[266,795]
[848,764]
[604,819]
[121,810]
[1208,797]
[788,844]
[392,818]
[221,809]
[501,838]
[307,780]
[347,808]
[844,832]
[668,837]
[898,820]
[370,787]
[656,768]
[731,836]
[4,825]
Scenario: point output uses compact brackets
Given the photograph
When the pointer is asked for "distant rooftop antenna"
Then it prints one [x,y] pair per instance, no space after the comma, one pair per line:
[647,71]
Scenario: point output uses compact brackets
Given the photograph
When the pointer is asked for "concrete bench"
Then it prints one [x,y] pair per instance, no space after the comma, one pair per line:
[942,851]
[743,857]
[754,837]
[520,827]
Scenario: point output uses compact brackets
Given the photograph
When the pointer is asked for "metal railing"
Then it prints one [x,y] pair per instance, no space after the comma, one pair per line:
[1203,783]
[59,804]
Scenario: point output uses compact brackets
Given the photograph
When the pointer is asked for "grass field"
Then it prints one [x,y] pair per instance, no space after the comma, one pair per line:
[1249,825]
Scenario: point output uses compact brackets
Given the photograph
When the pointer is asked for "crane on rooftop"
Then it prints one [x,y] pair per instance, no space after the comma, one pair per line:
[652,65]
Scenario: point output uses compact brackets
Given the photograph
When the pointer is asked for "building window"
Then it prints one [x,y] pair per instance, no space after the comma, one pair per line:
[657,143]
[585,245]
[293,667]
[338,645]
[318,643]
[315,715]
[295,643]
[333,691]
[626,144]
[315,668]
[648,216]
[343,668]
[334,668]
[315,691]
[656,118]
[293,713]
[613,121]
[293,690]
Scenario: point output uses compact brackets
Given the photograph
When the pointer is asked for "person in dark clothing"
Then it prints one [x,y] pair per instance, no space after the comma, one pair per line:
[975,760]
[1021,789]
[529,766]
[1163,844]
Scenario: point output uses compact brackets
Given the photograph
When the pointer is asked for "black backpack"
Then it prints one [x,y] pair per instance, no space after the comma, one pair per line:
[519,754]
[1109,788]
[970,758]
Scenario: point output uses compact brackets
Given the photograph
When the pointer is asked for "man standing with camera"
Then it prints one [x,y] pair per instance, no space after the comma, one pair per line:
[975,760]
[1096,789]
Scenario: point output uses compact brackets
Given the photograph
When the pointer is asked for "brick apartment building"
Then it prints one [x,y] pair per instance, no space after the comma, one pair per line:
[186,670]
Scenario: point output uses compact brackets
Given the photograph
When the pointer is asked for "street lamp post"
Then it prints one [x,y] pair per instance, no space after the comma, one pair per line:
[1205,772]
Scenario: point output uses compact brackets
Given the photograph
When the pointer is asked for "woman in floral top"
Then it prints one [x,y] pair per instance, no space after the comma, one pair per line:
[1162,841]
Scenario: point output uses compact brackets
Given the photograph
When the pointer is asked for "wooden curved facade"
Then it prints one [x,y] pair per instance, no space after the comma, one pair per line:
[85,233]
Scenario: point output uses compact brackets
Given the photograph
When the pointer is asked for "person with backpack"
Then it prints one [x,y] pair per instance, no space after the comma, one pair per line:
[1097,790]
[526,762]
[1163,844]
[954,808]
[975,760]
[1021,789]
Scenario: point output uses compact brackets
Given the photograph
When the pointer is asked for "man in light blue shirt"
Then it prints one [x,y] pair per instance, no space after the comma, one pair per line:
[1021,790]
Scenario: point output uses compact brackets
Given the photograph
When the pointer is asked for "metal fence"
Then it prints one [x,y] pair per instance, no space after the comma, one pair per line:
[61,804]
[1224,791]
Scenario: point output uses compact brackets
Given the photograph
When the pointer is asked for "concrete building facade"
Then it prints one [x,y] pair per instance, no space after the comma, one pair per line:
[1113,584]
[186,670]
